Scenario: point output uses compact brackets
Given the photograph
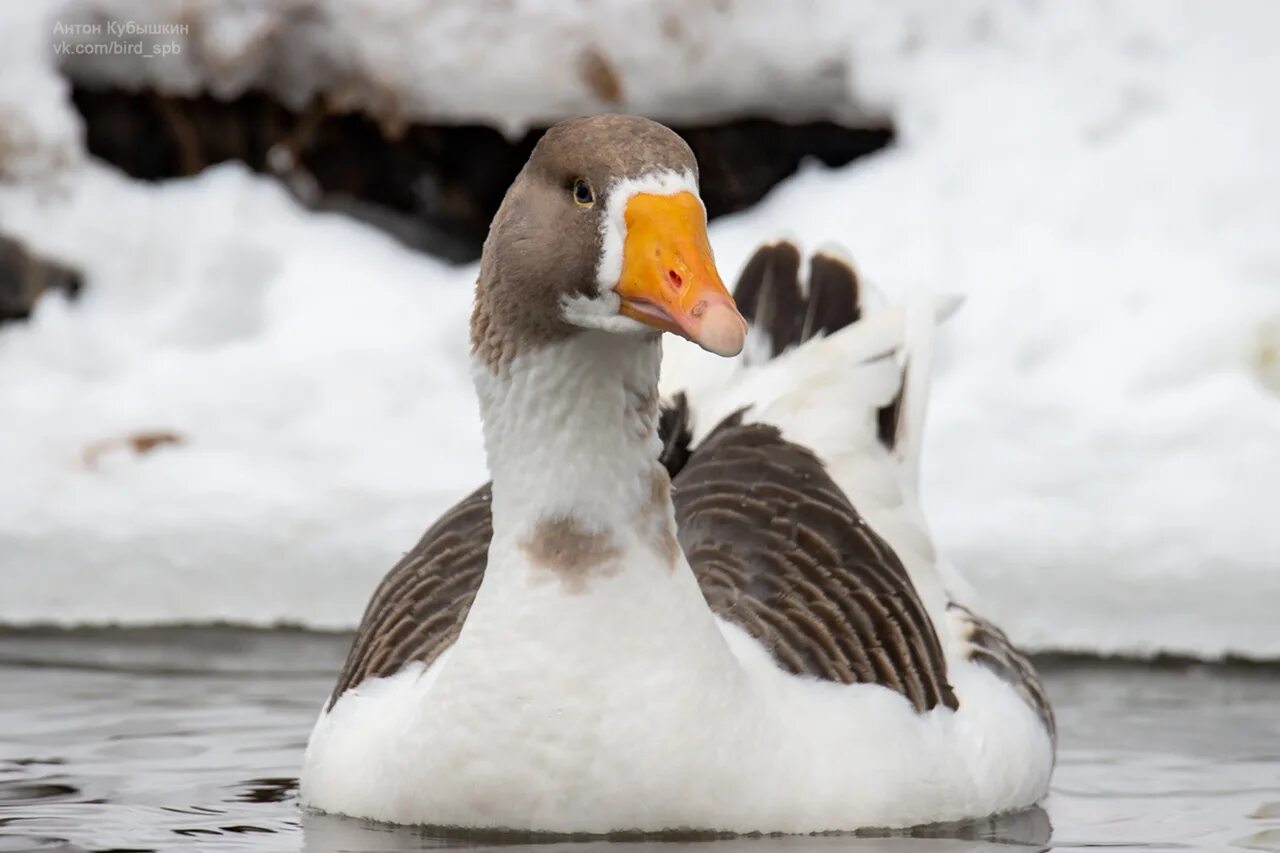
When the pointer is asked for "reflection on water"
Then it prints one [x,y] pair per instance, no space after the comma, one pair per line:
[1031,828]
[190,739]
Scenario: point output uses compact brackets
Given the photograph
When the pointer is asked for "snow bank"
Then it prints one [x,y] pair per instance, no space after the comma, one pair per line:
[1099,180]
[514,65]
[37,127]
[315,372]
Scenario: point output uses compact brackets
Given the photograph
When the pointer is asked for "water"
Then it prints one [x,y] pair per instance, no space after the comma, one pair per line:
[191,739]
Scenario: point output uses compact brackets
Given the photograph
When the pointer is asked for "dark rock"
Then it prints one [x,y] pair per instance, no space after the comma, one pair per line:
[435,187]
[24,277]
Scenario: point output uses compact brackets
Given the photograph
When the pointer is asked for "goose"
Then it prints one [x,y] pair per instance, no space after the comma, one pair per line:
[709,603]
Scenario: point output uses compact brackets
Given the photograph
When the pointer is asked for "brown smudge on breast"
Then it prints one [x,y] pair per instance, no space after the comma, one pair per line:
[656,523]
[563,547]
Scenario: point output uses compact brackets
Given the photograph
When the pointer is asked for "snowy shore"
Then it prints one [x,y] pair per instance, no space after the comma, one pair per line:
[1099,180]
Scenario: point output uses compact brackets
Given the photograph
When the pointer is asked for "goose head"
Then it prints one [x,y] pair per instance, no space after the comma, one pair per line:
[604,230]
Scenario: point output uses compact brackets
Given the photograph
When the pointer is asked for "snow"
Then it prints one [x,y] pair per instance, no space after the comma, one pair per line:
[1098,179]
[315,370]
[515,64]
[37,129]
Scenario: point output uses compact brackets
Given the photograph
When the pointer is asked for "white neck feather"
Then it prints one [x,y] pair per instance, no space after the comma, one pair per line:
[585,585]
[571,433]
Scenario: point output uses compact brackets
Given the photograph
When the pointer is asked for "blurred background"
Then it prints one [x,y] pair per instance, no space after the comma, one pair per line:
[238,240]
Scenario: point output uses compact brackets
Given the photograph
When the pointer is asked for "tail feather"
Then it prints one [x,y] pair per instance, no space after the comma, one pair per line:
[872,368]
[768,295]
[889,418]
[902,422]
[833,301]
[912,401]
[784,312]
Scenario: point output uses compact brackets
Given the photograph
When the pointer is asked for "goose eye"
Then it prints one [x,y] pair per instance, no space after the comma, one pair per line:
[582,194]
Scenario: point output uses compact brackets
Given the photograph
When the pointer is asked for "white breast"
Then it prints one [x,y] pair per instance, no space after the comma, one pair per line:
[679,730]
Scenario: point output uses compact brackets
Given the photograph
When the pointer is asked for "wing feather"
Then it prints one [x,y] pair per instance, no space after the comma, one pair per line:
[780,551]
[418,609]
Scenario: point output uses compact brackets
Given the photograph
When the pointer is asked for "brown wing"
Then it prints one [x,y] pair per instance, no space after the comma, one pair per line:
[779,550]
[988,646]
[418,609]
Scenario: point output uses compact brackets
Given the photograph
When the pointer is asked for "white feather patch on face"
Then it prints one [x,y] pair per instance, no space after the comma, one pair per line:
[601,312]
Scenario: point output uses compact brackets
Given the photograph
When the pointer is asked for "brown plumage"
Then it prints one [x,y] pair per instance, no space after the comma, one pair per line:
[768,294]
[780,551]
[990,647]
[418,609]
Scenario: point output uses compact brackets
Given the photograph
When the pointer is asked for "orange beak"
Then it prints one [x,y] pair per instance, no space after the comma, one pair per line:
[669,279]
